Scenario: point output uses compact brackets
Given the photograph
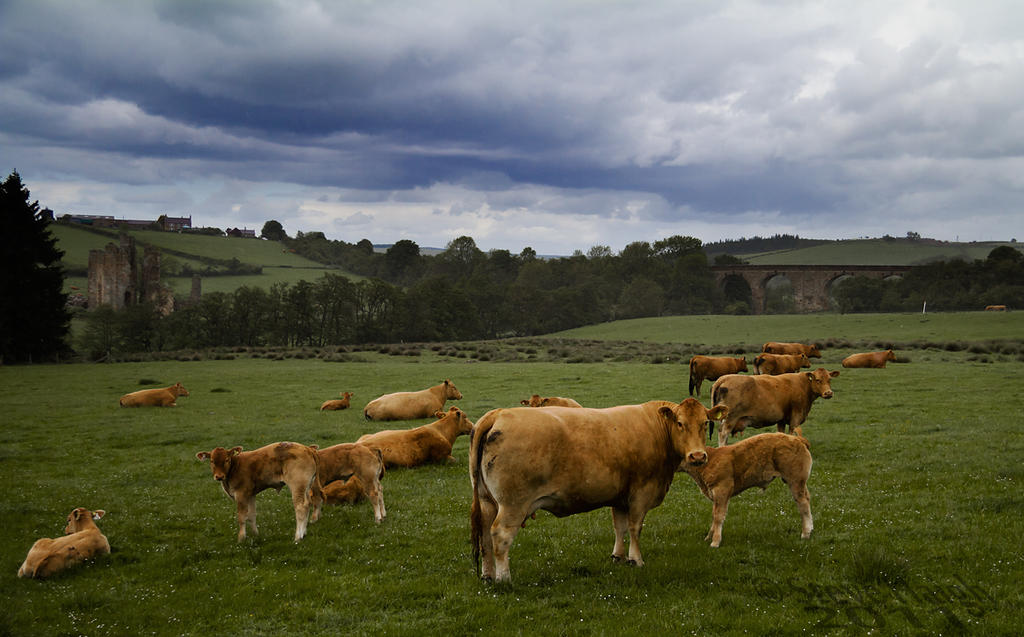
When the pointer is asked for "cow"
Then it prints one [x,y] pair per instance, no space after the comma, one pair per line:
[163,397]
[712,368]
[339,462]
[573,460]
[549,401]
[421,445]
[754,462]
[337,403]
[763,401]
[82,541]
[773,347]
[243,474]
[775,364]
[873,360]
[995,308]
[410,405]
[351,491]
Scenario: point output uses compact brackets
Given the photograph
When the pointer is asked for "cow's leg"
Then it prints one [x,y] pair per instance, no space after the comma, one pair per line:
[803,503]
[376,496]
[488,511]
[723,433]
[636,524]
[620,520]
[503,532]
[246,515]
[720,508]
[315,493]
[301,504]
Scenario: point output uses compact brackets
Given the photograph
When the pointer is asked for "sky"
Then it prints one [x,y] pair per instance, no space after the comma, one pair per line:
[554,124]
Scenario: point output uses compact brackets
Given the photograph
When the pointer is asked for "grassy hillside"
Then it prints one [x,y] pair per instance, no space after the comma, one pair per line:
[877,252]
[279,264]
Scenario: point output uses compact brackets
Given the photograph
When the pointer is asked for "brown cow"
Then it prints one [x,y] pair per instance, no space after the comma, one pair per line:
[243,474]
[339,462]
[410,405]
[754,462]
[549,401]
[775,364]
[763,401]
[420,445]
[995,308]
[82,541]
[570,461]
[712,368]
[351,491]
[337,403]
[874,360]
[773,347]
[163,397]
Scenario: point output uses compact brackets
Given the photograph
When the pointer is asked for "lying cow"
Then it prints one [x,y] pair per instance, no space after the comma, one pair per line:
[774,347]
[775,364]
[763,401]
[243,474]
[338,403]
[570,461]
[712,368]
[163,397]
[82,541]
[410,405]
[995,308]
[351,491]
[421,445]
[549,401]
[339,462]
[754,462]
[874,360]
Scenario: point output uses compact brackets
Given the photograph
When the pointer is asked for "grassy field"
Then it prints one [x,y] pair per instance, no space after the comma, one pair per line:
[916,492]
[877,252]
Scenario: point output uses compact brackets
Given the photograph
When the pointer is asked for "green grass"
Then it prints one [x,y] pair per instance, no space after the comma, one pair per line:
[916,491]
[877,252]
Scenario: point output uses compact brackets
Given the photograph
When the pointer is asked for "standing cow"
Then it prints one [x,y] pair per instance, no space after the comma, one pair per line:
[763,401]
[775,364]
[873,360]
[571,460]
[712,368]
[775,347]
[339,462]
[410,405]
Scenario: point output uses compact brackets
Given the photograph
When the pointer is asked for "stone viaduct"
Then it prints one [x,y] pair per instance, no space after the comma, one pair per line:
[811,283]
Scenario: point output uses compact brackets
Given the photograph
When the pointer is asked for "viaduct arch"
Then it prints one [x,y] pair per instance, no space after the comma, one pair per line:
[810,282]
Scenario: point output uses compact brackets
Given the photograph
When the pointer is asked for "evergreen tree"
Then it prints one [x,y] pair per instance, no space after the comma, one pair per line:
[33,314]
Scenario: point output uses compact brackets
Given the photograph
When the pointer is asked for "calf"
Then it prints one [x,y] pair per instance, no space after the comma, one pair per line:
[762,401]
[351,491]
[82,541]
[874,360]
[163,397]
[410,405]
[754,462]
[243,474]
[774,347]
[421,445]
[550,401]
[775,364]
[340,462]
[337,403]
[712,368]
[569,461]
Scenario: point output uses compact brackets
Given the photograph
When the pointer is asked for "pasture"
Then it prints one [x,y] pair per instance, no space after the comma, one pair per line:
[916,492]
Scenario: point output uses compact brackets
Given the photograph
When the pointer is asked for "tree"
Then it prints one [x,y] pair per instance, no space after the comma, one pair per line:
[274,231]
[33,314]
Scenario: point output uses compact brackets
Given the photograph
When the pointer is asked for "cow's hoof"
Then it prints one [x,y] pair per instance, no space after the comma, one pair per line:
[634,563]
[617,559]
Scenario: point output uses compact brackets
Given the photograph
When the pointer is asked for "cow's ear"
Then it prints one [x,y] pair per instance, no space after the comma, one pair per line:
[203,455]
[669,415]
[524,402]
[809,375]
[313,447]
[718,412]
[77,514]
[833,374]
[98,513]
[235,451]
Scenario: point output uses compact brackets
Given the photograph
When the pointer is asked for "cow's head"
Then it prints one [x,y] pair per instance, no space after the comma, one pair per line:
[821,382]
[814,351]
[804,361]
[450,391]
[534,401]
[77,519]
[890,356]
[179,390]
[742,363]
[464,424]
[688,424]
[220,461]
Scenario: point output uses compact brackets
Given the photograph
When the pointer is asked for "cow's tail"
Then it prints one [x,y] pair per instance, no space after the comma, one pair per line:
[476,451]
[693,375]
[380,458]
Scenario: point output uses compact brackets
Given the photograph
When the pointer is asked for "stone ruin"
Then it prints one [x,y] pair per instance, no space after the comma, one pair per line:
[118,279]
